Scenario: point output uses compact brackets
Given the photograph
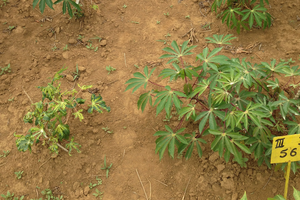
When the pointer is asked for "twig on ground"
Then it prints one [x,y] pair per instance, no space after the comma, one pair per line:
[141,183]
[125,60]
[37,194]
[268,179]
[257,55]
[27,95]
[45,162]
[161,182]
[2,164]
[150,189]
[186,189]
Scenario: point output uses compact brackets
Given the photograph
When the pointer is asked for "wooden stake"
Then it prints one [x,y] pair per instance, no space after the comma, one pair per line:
[287,178]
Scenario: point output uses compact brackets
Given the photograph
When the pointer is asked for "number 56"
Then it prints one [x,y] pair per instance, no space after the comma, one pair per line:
[292,153]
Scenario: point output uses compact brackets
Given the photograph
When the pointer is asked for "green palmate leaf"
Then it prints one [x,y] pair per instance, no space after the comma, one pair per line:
[229,16]
[173,74]
[73,145]
[201,87]
[63,131]
[244,196]
[140,80]
[97,104]
[211,60]
[219,39]
[176,52]
[67,5]
[296,194]
[166,99]
[24,143]
[294,128]
[143,100]
[189,145]
[79,115]
[168,139]
[277,197]
[187,111]
[256,13]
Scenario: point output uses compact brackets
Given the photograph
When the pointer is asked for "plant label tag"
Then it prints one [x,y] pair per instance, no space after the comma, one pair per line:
[285,149]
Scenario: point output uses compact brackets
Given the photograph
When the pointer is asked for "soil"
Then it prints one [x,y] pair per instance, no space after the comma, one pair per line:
[129,37]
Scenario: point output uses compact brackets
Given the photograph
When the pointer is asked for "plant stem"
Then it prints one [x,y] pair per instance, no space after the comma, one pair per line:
[160,85]
[287,82]
[155,84]
[180,123]
[261,86]
[63,148]
[297,94]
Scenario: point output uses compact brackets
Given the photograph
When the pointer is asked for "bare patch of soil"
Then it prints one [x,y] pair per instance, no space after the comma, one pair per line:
[35,51]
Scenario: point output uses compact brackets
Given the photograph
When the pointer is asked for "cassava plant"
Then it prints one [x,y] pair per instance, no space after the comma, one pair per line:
[296,195]
[243,105]
[243,13]
[66,5]
[50,116]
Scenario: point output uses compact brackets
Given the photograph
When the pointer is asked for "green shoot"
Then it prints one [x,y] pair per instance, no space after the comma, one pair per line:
[105,167]
[110,69]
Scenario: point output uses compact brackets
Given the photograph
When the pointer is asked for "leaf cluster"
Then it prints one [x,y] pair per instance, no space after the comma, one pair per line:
[242,104]
[67,5]
[49,117]
[243,14]
[296,195]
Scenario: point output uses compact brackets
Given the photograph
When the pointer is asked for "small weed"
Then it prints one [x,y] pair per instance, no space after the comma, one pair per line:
[168,35]
[5,154]
[10,100]
[19,174]
[135,22]
[124,127]
[164,41]
[54,48]
[206,26]
[10,28]
[187,17]
[136,66]
[6,69]
[4,23]
[288,62]
[95,7]
[76,73]
[91,47]
[98,194]
[49,195]
[105,167]
[99,182]
[65,48]
[171,6]
[4,2]
[106,130]
[157,22]
[96,38]
[125,6]
[167,14]
[110,69]
[80,37]
[10,196]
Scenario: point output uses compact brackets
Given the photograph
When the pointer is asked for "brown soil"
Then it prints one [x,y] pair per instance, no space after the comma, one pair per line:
[28,48]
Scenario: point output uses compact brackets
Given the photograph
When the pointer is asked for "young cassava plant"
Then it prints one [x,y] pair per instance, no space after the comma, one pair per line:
[243,13]
[50,116]
[243,105]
